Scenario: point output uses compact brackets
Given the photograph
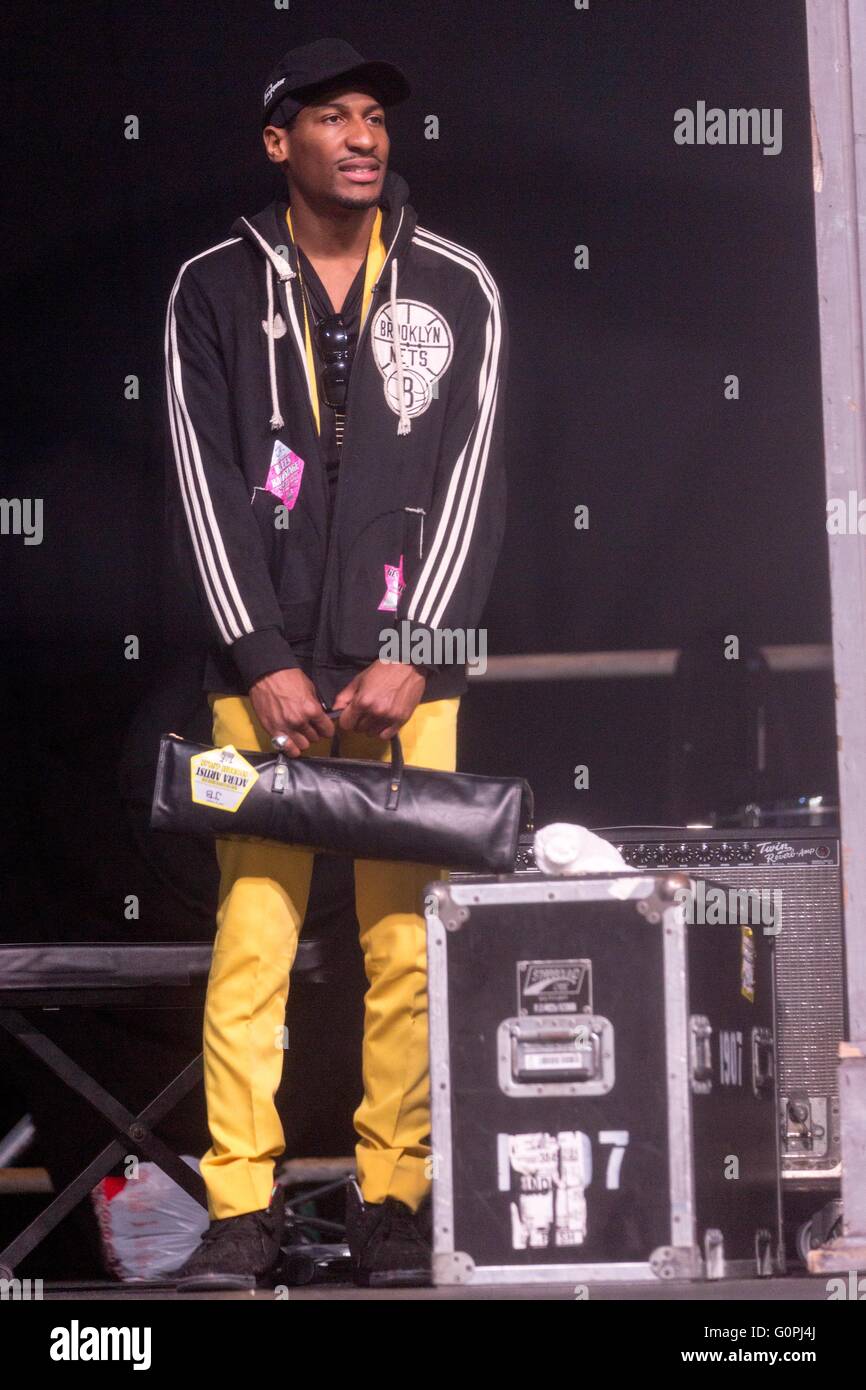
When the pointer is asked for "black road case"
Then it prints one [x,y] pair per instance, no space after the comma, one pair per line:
[602,1083]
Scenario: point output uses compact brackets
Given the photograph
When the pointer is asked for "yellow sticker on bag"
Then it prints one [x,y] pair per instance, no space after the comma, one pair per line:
[221,777]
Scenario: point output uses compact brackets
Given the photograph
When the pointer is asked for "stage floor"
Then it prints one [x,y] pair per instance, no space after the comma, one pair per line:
[795,1288]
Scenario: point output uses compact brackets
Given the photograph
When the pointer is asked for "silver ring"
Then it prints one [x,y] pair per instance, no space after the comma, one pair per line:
[279,742]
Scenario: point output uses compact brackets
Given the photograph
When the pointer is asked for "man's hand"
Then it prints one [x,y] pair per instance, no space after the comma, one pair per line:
[381,698]
[285,702]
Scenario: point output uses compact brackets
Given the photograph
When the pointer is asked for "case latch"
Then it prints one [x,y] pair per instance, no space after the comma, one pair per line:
[701,1054]
[763,1073]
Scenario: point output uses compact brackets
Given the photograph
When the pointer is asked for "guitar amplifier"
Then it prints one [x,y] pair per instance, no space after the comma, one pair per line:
[800,870]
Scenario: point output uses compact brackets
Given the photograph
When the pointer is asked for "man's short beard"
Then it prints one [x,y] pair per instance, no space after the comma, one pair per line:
[359,204]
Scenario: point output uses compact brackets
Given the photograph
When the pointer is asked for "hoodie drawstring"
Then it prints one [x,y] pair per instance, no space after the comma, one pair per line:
[277,420]
[404,426]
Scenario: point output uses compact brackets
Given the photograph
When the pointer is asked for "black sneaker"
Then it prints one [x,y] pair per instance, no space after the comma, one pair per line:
[237,1252]
[387,1247]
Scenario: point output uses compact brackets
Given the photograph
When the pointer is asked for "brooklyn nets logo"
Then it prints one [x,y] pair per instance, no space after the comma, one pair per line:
[428,346]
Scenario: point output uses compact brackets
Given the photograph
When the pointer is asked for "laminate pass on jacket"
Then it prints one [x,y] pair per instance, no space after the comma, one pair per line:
[419,511]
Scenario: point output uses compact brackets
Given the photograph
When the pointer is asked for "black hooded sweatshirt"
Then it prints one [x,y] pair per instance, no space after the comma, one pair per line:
[406,555]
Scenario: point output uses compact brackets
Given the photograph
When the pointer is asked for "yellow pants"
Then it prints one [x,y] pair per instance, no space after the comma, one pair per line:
[263,894]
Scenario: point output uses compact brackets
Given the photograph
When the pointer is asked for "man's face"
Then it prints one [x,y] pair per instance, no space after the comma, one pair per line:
[336,150]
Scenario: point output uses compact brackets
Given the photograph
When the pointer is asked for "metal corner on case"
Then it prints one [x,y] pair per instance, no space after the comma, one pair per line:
[444,907]
[668,891]
[457,919]
[453,1267]
[672,885]
[675,1262]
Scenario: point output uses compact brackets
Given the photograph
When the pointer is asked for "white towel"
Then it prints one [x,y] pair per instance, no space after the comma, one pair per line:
[562,848]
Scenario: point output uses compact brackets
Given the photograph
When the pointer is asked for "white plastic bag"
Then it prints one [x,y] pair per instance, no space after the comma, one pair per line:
[148,1225]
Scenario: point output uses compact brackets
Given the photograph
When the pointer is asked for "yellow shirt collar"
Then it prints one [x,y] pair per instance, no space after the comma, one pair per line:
[376,253]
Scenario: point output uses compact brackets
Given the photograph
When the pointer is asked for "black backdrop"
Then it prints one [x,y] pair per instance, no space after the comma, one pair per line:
[555,129]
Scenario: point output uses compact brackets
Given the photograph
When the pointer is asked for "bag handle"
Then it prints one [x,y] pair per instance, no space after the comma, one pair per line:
[397,763]
[527,799]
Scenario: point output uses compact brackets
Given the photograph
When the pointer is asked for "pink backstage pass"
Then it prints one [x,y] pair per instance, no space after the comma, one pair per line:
[285,474]
[394,586]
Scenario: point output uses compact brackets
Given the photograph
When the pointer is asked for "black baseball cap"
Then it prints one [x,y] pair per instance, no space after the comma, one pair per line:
[303,72]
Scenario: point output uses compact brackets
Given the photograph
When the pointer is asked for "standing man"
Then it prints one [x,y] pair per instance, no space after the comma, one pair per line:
[335,379]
